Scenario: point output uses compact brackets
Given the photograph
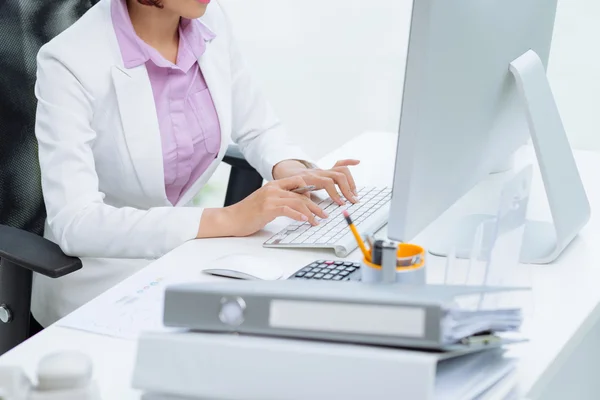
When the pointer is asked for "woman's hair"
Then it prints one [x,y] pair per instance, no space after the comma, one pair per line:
[155,3]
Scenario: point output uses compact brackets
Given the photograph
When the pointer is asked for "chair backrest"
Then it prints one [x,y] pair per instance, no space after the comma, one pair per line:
[25,25]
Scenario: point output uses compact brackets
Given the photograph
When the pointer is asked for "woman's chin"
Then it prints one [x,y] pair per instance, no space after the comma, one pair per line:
[201,8]
[197,11]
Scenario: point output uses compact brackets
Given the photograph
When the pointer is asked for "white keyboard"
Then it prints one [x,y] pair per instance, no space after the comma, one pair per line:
[369,215]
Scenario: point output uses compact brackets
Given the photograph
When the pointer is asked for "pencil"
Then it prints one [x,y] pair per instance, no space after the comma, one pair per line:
[360,242]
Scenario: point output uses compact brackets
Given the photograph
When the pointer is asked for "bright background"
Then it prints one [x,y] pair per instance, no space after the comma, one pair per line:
[334,68]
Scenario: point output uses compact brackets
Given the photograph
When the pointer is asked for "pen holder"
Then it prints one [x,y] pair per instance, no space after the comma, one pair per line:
[410,267]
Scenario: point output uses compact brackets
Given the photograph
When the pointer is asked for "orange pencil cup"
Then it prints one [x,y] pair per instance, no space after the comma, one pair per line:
[410,267]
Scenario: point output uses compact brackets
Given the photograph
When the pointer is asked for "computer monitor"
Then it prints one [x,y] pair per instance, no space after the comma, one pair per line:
[475,90]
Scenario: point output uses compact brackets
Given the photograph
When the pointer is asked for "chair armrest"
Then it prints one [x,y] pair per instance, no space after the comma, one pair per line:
[235,158]
[35,253]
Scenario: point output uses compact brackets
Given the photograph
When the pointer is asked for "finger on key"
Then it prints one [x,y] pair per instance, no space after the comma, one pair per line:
[300,206]
[312,206]
[351,182]
[316,209]
[341,180]
[286,211]
[329,185]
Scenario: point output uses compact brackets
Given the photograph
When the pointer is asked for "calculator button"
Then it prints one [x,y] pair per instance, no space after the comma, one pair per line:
[357,265]
[339,263]
[347,264]
[315,270]
[319,275]
[337,278]
[328,262]
[335,272]
[313,265]
[351,269]
[344,273]
[341,268]
[328,277]
[300,274]
[326,271]
[305,269]
[309,275]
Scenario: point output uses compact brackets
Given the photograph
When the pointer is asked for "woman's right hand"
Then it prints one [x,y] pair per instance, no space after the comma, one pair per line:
[250,215]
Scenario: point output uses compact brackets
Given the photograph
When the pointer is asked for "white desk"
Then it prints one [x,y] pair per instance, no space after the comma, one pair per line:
[566,293]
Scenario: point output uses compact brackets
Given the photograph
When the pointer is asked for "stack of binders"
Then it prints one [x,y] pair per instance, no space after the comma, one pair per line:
[293,340]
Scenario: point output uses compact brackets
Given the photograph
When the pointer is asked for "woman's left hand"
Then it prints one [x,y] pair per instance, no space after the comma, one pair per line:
[330,179]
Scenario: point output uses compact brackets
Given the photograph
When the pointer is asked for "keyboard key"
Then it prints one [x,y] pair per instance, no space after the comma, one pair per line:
[351,269]
[317,269]
[326,271]
[347,264]
[300,274]
[309,275]
[337,278]
[339,263]
[328,277]
[319,275]
[341,267]
[289,239]
[344,273]
[335,272]
[313,265]
[328,262]
[332,229]
[327,203]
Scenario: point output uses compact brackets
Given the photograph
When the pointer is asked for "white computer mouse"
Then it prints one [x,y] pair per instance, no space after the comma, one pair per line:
[243,266]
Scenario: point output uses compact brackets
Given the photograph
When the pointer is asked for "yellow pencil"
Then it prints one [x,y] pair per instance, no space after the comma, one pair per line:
[360,242]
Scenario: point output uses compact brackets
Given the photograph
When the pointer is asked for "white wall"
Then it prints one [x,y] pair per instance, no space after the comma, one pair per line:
[331,68]
[334,68]
[574,70]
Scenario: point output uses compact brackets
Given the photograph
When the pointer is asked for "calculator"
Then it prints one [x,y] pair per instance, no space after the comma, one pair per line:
[327,270]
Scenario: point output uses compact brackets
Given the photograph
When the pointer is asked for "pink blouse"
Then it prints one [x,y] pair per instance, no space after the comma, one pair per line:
[189,125]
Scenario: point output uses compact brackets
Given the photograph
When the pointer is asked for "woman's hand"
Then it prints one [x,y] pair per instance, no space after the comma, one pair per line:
[338,176]
[273,200]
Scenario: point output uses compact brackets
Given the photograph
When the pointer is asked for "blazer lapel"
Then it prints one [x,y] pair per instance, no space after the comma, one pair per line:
[141,129]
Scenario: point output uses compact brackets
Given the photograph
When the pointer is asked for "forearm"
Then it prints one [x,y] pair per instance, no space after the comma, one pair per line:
[215,222]
[99,230]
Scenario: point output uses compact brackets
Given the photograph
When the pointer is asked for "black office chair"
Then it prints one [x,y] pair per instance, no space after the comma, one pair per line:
[25,25]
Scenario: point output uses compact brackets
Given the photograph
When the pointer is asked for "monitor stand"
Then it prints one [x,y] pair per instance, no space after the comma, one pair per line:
[543,242]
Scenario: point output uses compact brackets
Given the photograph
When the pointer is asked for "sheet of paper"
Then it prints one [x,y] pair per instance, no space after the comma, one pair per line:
[126,310]
[470,376]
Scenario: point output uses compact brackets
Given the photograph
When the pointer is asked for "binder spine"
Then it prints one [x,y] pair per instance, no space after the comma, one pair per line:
[398,325]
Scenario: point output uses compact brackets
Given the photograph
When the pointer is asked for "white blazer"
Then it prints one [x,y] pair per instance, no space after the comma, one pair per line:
[101,157]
